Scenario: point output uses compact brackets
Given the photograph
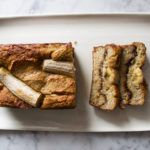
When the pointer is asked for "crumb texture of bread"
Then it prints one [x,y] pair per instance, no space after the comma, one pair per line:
[24,61]
[132,84]
[126,57]
[104,91]
[97,99]
[135,78]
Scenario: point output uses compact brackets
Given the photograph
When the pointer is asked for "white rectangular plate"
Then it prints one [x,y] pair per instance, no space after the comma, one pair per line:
[85,31]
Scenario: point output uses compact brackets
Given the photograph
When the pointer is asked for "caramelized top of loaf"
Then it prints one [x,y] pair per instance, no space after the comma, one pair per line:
[14,53]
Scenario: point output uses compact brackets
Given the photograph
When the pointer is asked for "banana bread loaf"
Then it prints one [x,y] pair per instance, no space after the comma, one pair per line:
[26,81]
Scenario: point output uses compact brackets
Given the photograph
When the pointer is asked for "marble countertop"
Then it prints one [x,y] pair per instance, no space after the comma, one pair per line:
[16,140]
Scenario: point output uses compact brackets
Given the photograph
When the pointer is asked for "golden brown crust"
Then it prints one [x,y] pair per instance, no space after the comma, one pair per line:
[63,54]
[34,52]
[25,62]
[31,73]
[58,101]
[59,84]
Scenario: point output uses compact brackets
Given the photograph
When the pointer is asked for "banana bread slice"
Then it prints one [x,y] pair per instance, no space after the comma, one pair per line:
[105,90]
[132,84]
[126,58]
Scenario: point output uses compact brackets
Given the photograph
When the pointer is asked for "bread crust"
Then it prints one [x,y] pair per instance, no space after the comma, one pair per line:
[59,84]
[24,61]
[58,101]
[10,53]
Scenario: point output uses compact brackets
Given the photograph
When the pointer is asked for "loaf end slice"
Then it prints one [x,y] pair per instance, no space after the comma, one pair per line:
[135,78]
[104,90]
[132,83]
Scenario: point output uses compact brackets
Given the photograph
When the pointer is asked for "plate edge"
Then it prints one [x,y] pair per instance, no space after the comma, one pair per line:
[77,14]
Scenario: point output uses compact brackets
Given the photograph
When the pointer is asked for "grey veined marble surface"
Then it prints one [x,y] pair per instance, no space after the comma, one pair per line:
[21,140]
[21,7]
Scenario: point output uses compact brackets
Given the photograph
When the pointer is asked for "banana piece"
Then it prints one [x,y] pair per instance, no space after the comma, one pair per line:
[19,89]
[60,67]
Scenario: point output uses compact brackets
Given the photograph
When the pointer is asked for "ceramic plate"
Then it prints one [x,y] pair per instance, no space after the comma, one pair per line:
[84,31]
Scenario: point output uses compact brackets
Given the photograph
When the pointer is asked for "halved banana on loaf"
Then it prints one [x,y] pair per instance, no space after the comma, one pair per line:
[60,67]
[19,88]
[105,91]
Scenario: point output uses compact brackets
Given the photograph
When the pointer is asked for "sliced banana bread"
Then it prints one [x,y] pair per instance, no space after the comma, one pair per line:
[105,90]
[132,84]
